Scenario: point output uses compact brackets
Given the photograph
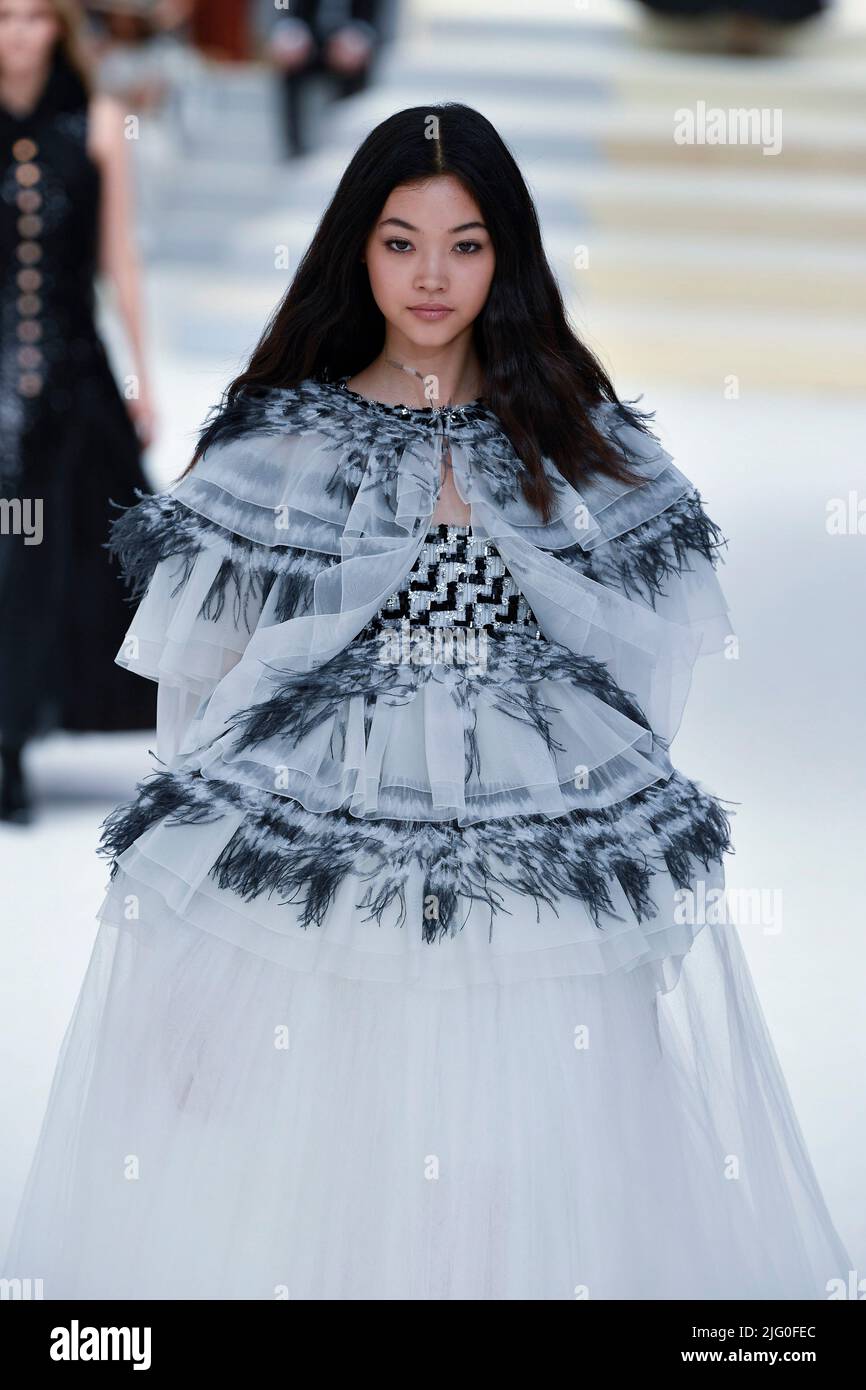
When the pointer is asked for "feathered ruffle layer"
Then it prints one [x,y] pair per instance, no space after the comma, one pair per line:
[200,590]
[588,872]
[423,729]
[642,563]
[159,528]
[639,563]
[309,775]
[649,603]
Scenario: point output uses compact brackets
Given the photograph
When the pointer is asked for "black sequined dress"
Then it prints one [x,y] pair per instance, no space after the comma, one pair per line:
[69,446]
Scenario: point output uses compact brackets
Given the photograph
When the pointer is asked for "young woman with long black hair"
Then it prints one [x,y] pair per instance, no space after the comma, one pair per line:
[411,980]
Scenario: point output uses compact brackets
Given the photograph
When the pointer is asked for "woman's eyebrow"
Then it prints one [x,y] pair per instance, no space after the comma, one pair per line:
[399,222]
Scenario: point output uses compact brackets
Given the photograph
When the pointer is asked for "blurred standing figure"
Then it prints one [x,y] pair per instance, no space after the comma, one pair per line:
[747,26]
[306,37]
[143,56]
[70,445]
[137,43]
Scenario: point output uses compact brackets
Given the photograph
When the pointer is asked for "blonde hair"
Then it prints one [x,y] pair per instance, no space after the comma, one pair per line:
[71,41]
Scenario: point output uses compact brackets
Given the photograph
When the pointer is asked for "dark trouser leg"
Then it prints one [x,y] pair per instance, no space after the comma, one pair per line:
[292,87]
[350,84]
[14,793]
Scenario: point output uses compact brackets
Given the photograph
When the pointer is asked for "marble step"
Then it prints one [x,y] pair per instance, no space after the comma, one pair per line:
[643,136]
[734,203]
[759,273]
[533,62]
[694,346]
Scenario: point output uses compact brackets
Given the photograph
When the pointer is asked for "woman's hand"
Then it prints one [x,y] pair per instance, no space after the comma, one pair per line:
[143,414]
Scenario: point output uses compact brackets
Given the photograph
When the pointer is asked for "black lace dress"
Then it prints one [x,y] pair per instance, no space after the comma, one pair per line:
[69,446]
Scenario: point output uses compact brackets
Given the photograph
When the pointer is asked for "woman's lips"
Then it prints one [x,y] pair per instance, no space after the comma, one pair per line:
[438,312]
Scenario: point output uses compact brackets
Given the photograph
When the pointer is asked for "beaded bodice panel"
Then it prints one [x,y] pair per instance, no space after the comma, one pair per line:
[458,581]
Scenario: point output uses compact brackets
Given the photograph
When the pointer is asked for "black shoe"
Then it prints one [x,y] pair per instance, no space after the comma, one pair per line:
[15,802]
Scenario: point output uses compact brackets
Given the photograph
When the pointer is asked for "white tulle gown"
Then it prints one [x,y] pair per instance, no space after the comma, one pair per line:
[413,978]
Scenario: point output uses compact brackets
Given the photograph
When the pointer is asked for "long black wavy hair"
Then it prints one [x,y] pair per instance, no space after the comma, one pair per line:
[539,378]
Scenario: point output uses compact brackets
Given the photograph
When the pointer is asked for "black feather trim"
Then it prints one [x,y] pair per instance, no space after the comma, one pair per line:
[641,560]
[159,527]
[303,858]
[302,701]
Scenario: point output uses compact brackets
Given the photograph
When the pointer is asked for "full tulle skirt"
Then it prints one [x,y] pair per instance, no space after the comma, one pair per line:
[233,1120]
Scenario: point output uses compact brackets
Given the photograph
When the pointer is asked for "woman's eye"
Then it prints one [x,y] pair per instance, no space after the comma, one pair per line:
[401,245]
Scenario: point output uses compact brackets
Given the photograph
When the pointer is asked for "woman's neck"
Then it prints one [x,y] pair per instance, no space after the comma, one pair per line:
[397,380]
[20,91]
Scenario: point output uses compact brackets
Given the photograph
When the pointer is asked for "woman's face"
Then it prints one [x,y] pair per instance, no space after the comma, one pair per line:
[430,246]
[28,31]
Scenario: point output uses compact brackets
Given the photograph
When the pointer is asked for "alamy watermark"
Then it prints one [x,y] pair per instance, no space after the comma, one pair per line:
[22,516]
[738,125]
[422,645]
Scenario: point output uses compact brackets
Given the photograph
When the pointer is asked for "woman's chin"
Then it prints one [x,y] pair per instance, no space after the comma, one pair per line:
[428,333]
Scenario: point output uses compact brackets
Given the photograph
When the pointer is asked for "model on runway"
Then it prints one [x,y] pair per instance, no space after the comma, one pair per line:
[413,978]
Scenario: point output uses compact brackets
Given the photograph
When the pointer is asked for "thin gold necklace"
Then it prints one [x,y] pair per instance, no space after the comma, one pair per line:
[428,394]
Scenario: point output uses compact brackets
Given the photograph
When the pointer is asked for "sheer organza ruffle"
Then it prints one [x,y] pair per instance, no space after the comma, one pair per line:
[166,876]
[315,777]
[439,904]
[290,542]
[649,650]
[515,728]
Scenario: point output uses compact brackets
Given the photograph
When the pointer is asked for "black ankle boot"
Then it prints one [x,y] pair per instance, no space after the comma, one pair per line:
[14,794]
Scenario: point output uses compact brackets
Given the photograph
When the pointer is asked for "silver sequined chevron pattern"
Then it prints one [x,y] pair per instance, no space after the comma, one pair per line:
[458,581]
